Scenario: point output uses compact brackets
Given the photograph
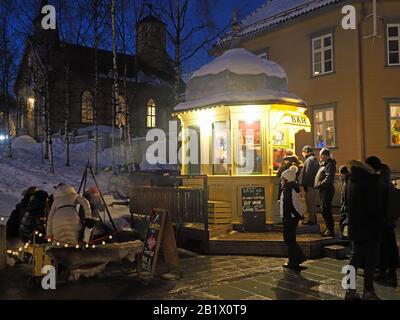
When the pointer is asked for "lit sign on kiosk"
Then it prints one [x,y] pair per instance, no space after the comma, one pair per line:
[295,120]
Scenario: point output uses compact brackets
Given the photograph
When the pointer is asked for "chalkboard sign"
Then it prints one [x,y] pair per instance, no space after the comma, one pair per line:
[152,241]
[160,236]
[253,199]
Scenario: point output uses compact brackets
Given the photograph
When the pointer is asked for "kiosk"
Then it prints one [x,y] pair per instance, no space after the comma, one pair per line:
[237,122]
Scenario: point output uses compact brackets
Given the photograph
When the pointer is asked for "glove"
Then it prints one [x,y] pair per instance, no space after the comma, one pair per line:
[89,223]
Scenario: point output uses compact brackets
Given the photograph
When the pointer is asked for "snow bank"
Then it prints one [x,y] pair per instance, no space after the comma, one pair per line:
[242,62]
[24,142]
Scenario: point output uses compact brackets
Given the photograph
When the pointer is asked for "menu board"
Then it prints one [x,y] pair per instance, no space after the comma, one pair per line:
[152,241]
[253,199]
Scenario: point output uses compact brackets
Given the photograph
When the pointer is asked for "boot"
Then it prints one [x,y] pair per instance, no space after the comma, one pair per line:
[351,294]
[370,295]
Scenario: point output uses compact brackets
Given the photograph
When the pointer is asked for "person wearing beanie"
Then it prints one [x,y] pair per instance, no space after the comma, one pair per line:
[291,212]
[306,178]
[325,184]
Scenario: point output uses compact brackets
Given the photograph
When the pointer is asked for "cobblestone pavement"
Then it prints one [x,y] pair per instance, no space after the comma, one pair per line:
[205,277]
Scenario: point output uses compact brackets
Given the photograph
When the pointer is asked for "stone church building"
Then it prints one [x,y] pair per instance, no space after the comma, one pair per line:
[148,78]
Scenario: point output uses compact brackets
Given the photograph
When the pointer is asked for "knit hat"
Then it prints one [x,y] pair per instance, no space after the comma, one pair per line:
[325,152]
[307,149]
[290,174]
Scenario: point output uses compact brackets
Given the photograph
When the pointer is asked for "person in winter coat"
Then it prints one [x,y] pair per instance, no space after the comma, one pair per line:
[14,221]
[291,212]
[64,224]
[324,183]
[307,178]
[344,178]
[365,205]
[34,218]
[389,251]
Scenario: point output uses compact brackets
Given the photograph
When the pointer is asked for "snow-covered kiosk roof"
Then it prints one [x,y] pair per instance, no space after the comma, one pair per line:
[238,77]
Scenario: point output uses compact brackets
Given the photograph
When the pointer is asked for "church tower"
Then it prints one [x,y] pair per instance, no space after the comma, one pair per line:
[151,42]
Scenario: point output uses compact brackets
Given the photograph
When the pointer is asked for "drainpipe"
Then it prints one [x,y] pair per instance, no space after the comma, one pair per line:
[361,81]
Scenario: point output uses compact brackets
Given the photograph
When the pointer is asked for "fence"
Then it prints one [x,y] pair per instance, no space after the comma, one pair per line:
[186,201]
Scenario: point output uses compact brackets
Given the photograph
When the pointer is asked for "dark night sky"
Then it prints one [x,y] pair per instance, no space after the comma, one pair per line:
[223,14]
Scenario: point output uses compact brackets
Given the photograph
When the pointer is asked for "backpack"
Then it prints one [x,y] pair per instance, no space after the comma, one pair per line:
[393,205]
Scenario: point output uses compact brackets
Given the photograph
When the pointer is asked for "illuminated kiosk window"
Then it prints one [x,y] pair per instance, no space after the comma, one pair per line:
[151,114]
[395,124]
[193,153]
[280,143]
[220,148]
[120,119]
[87,107]
[249,160]
[322,48]
[324,128]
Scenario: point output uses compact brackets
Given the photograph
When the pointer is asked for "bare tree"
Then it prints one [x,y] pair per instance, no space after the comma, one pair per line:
[7,65]
[190,28]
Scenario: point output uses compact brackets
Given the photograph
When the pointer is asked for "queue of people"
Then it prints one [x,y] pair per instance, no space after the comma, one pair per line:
[55,216]
[365,219]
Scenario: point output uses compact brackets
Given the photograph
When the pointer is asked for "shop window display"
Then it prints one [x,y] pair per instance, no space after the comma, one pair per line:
[395,124]
[249,148]
[220,148]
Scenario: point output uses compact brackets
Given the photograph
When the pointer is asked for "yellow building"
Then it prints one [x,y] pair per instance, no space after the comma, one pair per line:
[349,78]
[237,122]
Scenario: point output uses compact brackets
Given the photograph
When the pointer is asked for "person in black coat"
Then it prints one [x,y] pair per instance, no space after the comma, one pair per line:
[344,177]
[34,218]
[307,179]
[389,251]
[365,218]
[291,212]
[325,184]
[14,222]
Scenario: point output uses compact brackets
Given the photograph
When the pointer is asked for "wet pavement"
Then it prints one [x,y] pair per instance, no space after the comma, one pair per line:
[204,277]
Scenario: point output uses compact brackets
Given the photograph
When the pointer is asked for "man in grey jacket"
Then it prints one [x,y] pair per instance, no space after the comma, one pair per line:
[307,178]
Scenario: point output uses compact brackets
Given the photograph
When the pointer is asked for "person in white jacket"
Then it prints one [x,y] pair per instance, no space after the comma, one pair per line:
[63,223]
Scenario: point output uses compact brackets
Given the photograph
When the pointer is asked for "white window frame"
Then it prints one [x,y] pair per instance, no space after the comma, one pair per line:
[322,52]
[324,110]
[392,39]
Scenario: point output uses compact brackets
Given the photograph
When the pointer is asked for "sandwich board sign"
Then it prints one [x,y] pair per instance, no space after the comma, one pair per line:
[160,237]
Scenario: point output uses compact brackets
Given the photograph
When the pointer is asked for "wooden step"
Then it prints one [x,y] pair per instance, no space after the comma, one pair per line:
[336,251]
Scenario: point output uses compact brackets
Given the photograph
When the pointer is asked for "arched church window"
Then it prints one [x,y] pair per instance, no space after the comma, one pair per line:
[121,116]
[151,114]
[87,107]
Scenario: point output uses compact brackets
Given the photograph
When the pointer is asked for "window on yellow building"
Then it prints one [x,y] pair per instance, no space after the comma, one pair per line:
[151,114]
[394,124]
[393,44]
[87,107]
[324,128]
[322,54]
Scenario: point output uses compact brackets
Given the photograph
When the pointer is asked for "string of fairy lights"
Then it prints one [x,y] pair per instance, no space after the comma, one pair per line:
[59,244]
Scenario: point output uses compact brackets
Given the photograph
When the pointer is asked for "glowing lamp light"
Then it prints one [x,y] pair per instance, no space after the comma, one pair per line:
[110,237]
[251,114]
[77,246]
[103,243]
[58,244]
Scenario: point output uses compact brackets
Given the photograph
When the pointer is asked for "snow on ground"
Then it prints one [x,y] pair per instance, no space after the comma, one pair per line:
[28,169]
